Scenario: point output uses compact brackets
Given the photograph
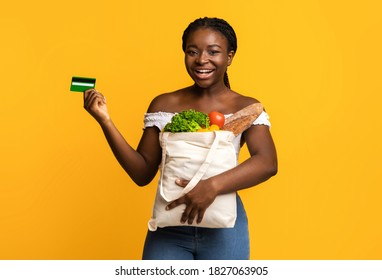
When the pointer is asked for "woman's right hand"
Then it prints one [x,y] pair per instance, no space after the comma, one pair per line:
[95,104]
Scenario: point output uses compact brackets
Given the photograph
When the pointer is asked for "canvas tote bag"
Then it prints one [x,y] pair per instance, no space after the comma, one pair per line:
[194,156]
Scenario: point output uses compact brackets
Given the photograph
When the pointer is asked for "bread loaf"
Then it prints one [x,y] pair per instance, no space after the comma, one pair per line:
[243,119]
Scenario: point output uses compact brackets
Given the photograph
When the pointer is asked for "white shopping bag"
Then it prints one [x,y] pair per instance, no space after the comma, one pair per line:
[194,156]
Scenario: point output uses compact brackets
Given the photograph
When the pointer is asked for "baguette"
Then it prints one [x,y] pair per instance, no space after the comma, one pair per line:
[243,119]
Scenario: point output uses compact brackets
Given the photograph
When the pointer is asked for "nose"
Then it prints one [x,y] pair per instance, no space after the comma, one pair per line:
[202,58]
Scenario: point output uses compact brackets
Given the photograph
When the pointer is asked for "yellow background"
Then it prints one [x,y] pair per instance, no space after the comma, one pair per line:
[314,64]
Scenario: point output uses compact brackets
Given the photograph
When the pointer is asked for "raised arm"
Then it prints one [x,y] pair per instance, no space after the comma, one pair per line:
[141,164]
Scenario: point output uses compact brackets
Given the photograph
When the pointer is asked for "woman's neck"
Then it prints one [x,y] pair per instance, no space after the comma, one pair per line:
[213,91]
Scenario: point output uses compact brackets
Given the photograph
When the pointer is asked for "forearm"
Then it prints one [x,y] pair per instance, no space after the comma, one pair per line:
[261,165]
[131,161]
[251,172]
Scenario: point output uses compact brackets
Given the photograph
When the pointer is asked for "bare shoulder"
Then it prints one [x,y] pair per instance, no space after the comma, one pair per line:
[241,101]
[166,102]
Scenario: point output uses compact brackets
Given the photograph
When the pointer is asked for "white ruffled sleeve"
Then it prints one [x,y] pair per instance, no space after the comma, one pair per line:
[158,119]
[263,119]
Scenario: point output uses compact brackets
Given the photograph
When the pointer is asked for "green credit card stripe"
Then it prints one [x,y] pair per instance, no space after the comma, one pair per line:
[82,84]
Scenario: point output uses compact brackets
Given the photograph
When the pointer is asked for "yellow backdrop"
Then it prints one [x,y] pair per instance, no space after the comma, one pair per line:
[315,65]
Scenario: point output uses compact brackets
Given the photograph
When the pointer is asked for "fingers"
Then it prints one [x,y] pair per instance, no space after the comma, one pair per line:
[181,182]
[189,213]
[95,104]
[93,97]
[88,97]
[176,203]
[88,93]
[196,202]
[200,216]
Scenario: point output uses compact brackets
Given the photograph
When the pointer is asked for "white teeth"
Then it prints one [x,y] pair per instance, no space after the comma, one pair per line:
[204,71]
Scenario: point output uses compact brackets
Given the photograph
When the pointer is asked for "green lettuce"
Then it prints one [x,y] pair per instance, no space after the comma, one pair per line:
[188,121]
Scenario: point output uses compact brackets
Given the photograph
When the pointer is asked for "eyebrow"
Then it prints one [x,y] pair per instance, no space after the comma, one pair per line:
[210,46]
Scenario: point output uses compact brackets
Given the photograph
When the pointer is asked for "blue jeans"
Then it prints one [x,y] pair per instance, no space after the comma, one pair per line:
[197,243]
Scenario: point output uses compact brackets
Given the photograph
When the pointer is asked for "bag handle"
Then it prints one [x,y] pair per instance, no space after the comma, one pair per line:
[198,174]
[204,166]
[163,141]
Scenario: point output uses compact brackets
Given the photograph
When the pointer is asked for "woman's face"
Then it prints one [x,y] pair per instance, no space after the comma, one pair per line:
[207,57]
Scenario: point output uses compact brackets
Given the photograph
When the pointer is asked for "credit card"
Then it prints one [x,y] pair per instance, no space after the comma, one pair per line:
[81,84]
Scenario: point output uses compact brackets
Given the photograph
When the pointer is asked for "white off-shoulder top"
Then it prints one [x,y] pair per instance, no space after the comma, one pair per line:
[160,119]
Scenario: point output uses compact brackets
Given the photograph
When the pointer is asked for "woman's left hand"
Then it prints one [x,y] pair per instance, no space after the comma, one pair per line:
[197,200]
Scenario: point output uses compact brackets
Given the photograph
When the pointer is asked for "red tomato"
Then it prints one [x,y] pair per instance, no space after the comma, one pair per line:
[216,118]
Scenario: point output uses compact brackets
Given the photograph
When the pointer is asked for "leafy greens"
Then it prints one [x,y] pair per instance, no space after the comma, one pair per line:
[188,121]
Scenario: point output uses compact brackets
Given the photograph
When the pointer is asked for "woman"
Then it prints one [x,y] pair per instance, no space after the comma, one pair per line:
[209,45]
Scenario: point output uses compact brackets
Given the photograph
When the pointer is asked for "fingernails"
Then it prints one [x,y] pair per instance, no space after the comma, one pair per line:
[177,181]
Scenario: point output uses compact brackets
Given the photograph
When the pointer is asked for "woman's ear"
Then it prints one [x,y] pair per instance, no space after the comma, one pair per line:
[231,54]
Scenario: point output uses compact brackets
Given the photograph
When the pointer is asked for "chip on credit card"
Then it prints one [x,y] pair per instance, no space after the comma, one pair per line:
[81,84]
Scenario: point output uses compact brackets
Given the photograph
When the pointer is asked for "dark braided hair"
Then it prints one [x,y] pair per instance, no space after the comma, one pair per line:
[216,24]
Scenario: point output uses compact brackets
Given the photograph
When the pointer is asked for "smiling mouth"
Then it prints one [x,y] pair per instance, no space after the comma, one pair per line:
[204,71]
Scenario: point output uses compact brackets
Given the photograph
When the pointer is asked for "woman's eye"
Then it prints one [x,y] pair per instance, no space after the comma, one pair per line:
[192,53]
[213,52]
